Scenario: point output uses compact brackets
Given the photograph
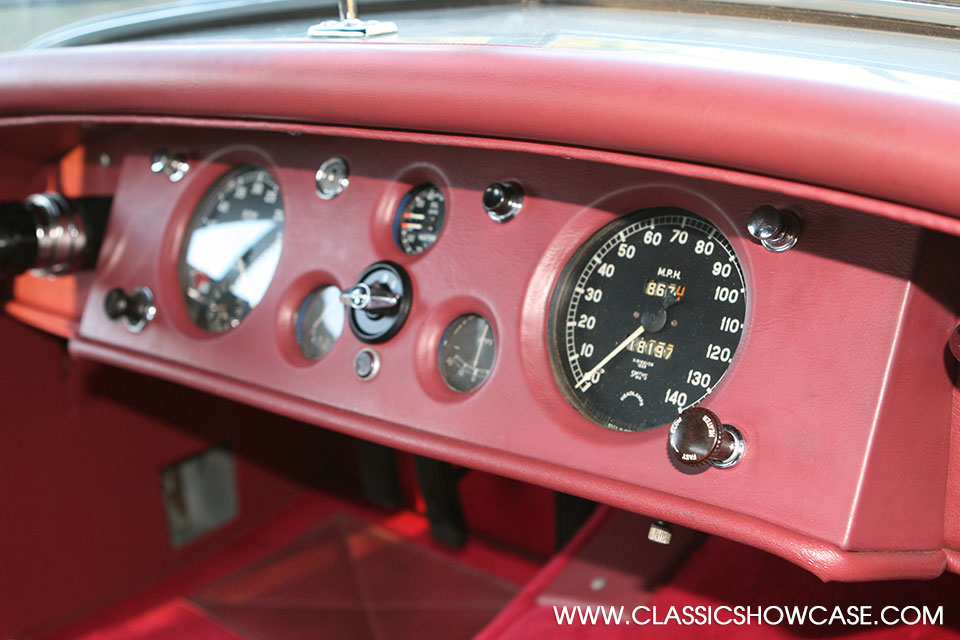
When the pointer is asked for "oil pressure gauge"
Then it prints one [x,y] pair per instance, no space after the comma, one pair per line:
[467,351]
[419,218]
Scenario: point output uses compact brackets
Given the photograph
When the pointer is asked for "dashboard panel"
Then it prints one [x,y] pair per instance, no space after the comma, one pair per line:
[816,394]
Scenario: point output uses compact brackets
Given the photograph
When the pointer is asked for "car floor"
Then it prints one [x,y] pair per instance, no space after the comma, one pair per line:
[325,567]
[332,568]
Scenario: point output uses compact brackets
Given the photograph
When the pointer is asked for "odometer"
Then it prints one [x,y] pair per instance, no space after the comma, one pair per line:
[646,318]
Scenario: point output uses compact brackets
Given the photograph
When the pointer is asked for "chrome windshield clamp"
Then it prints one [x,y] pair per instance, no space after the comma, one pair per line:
[349,26]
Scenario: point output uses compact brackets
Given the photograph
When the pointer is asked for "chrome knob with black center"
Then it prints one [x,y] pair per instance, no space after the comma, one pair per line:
[698,437]
[503,200]
[379,303]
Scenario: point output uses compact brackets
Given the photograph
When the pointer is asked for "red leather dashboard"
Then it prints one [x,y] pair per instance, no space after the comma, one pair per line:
[841,385]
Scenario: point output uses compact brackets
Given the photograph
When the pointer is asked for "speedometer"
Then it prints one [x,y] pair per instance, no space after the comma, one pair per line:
[646,318]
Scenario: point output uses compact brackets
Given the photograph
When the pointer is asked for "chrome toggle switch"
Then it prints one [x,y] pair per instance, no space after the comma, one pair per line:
[777,230]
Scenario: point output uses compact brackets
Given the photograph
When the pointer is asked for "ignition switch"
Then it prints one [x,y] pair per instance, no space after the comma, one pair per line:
[379,303]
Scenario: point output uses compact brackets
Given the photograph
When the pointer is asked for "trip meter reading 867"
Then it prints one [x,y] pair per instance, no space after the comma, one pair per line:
[646,318]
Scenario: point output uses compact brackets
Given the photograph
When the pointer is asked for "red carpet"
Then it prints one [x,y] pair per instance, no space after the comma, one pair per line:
[324,568]
[348,579]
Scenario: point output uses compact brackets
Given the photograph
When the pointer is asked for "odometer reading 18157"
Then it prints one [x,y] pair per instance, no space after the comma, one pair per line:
[646,318]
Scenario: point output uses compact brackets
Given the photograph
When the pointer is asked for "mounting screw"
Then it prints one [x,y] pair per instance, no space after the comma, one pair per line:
[777,230]
[660,532]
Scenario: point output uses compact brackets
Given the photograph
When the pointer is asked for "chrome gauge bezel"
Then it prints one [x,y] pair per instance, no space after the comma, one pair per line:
[204,205]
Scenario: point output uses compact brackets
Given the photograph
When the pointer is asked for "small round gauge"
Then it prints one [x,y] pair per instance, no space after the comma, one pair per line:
[231,248]
[319,322]
[646,318]
[466,354]
[419,218]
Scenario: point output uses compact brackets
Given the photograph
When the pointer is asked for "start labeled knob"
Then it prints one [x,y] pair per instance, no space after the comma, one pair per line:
[698,437]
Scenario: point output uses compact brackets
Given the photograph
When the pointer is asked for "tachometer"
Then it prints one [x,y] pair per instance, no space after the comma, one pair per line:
[646,318]
[232,248]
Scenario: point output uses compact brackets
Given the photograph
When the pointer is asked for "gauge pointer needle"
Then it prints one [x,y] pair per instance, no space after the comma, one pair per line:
[610,356]
[316,323]
[483,337]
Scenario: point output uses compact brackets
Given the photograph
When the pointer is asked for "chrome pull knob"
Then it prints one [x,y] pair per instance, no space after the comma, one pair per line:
[698,437]
[777,230]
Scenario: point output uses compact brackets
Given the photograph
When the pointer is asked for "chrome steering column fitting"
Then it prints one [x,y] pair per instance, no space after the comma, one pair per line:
[61,233]
[50,234]
[349,25]
[776,229]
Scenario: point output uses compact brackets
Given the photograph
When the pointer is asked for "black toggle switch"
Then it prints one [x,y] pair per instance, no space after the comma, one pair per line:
[136,308]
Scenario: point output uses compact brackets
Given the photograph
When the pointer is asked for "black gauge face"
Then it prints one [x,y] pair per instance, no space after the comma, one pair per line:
[419,219]
[232,248]
[466,353]
[319,322]
[646,318]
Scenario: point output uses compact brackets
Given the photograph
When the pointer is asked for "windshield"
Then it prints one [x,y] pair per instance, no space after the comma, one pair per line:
[26,20]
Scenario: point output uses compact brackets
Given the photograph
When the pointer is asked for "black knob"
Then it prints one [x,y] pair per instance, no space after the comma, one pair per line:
[503,200]
[698,437]
[136,308]
[116,303]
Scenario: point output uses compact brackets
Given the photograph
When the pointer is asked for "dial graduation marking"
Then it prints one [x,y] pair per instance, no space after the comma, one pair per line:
[419,218]
[601,295]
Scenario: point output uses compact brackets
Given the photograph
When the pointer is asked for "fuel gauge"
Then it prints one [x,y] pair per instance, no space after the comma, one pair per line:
[467,351]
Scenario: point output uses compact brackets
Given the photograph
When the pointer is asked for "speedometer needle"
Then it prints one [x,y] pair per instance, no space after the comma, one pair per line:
[588,379]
